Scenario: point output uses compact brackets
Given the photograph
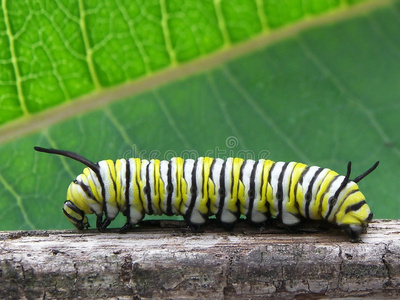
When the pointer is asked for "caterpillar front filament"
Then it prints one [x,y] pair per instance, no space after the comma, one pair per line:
[196,189]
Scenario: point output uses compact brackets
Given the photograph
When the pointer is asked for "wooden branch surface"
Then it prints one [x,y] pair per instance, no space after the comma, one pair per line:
[172,262]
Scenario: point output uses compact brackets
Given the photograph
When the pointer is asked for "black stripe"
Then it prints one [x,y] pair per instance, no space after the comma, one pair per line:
[232,175]
[183,178]
[76,221]
[212,169]
[147,191]
[299,182]
[86,189]
[202,180]
[193,192]
[308,195]
[155,182]
[269,182]
[72,206]
[279,192]
[241,170]
[127,211]
[141,196]
[316,193]
[261,180]
[331,200]
[221,191]
[355,207]
[340,189]
[170,189]
[342,203]
[251,192]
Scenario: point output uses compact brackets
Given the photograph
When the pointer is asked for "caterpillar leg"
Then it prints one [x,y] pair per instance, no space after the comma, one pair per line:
[354,232]
[99,222]
[126,227]
[195,227]
[105,224]
[289,219]
[227,226]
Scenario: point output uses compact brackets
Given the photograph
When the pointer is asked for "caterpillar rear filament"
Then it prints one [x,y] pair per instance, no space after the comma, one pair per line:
[261,190]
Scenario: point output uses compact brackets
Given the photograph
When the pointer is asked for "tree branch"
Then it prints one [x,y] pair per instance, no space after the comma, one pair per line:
[171,262]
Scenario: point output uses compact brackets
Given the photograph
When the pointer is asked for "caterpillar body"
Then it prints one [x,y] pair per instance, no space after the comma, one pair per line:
[261,190]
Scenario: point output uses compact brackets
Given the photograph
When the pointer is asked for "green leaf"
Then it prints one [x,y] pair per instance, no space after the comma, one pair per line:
[323,90]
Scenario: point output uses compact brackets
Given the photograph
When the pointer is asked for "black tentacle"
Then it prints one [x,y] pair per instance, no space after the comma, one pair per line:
[363,175]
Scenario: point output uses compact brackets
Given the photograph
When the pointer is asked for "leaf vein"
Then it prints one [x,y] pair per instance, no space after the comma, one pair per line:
[14,60]
[89,50]
[171,121]
[370,115]
[261,113]
[19,201]
[166,33]
[222,23]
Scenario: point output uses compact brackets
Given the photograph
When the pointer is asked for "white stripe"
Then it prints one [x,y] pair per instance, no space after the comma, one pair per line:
[246,171]
[216,173]
[256,216]
[122,180]
[276,171]
[164,178]
[287,218]
[174,184]
[314,194]
[306,183]
[332,191]
[135,215]
[152,186]
[226,215]
[112,211]
[196,217]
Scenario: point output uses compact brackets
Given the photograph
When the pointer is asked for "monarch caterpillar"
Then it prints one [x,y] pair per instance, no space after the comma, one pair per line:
[196,189]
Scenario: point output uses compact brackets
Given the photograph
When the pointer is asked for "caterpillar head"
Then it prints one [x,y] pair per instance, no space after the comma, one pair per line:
[351,211]
[75,215]
[81,198]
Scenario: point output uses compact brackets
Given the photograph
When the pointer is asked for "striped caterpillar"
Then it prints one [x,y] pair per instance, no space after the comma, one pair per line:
[261,190]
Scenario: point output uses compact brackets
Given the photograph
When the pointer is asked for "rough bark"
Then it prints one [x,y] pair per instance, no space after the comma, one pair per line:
[165,262]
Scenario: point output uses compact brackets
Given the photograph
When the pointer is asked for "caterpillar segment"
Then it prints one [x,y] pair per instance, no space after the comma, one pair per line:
[196,189]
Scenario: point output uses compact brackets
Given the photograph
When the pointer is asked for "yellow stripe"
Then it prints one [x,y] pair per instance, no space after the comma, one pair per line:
[137,185]
[118,186]
[212,194]
[356,217]
[96,189]
[271,198]
[73,214]
[316,204]
[207,161]
[237,164]
[266,190]
[353,199]
[78,199]
[296,174]
[161,188]
[112,195]
[242,198]
[324,186]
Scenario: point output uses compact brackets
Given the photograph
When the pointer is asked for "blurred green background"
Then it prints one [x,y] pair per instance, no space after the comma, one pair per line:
[323,96]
